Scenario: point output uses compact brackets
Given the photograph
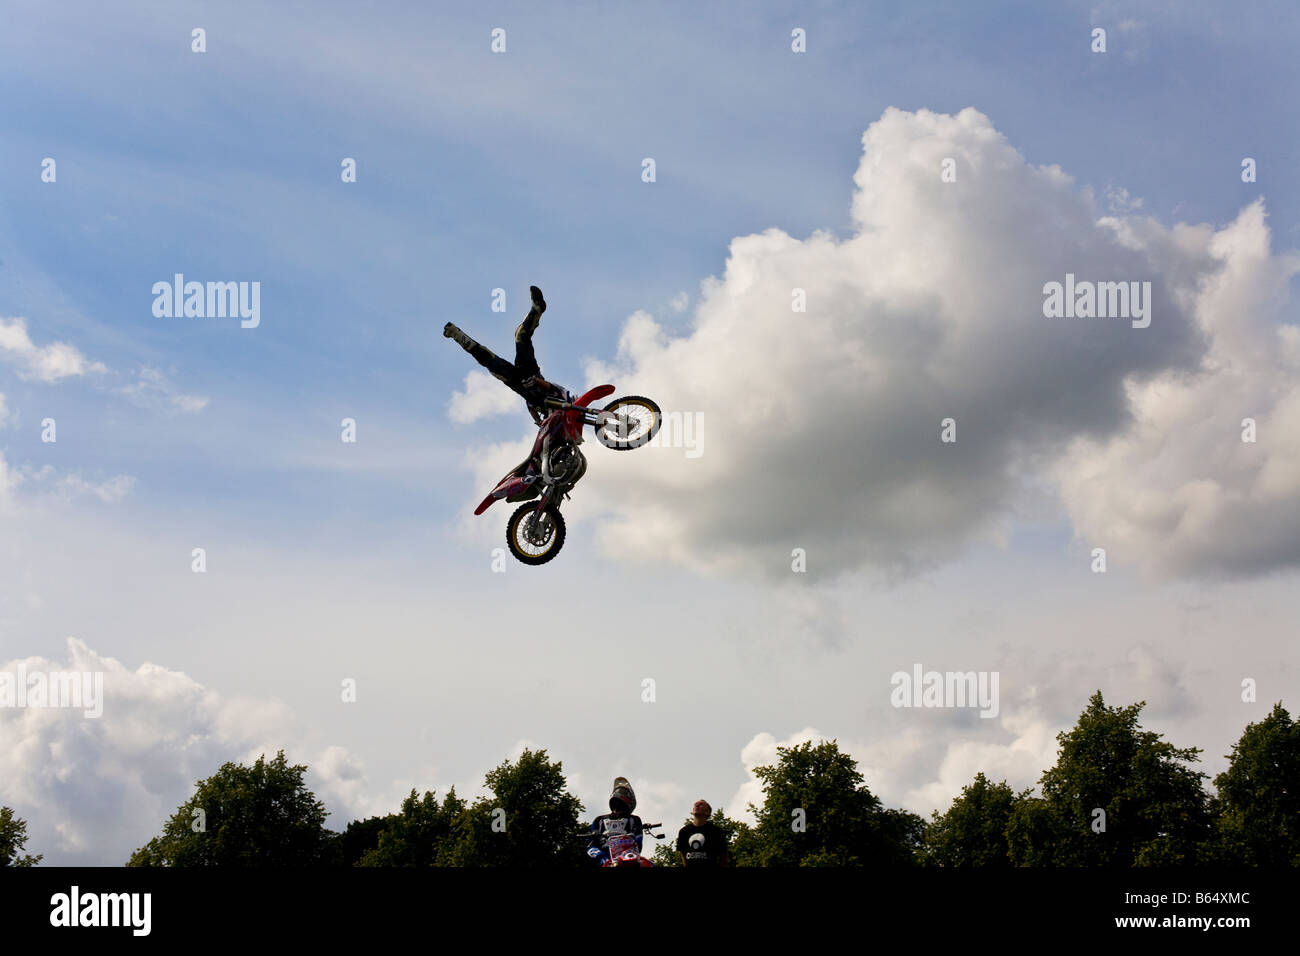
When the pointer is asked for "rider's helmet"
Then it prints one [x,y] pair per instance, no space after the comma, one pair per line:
[622,800]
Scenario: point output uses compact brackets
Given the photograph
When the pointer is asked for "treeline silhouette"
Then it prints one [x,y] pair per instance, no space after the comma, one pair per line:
[1118,796]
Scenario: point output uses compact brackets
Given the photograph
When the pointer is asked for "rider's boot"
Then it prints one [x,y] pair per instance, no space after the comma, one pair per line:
[528,326]
[465,342]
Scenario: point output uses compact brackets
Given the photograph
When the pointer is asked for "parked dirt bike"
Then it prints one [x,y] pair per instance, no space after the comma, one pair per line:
[623,850]
[535,532]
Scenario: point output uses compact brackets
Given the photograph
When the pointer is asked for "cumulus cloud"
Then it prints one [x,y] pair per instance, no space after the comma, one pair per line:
[824,425]
[152,389]
[47,363]
[918,770]
[1179,491]
[482,397]
[761,751]
[95,789]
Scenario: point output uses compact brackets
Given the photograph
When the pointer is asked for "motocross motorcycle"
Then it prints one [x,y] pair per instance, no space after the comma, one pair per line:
[535,532]
[623,849]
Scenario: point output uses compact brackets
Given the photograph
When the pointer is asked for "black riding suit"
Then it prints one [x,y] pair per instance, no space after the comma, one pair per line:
[523,375]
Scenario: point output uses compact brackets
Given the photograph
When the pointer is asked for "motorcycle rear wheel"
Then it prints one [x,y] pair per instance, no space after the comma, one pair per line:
[535,545]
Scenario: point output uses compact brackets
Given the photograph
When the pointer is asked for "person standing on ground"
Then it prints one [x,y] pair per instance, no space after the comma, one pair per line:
[700,842]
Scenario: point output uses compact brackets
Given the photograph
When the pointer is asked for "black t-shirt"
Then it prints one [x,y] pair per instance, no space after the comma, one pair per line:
[701,846]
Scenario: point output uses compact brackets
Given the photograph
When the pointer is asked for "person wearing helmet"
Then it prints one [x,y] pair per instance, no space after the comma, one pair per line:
[619,830]
[523,376]
[701,843]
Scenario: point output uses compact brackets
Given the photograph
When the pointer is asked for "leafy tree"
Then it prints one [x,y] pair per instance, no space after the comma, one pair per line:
[974,830]
[418,835]
[529,821]
[361,837]
[1156,810]
[1257,809]
[13,838]
[818,812]
[261,815]
[665,852]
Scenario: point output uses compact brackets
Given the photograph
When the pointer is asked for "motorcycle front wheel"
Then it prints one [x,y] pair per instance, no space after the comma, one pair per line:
[535,538]
[641,421]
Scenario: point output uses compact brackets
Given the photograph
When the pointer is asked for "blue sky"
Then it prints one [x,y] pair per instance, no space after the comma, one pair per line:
[478,171]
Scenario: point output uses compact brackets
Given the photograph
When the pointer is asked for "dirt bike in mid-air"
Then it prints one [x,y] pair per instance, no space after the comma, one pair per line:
[535,532]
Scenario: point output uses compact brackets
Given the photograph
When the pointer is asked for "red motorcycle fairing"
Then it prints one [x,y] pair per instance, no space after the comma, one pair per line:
[600,391]
[507,486]
[573,420]
[504,489]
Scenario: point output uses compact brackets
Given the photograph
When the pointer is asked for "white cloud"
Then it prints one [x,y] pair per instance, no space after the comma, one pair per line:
[761,751]
[680,301]
[75,485]
[152,389]
[483,397]
[915,769]
[94,789]
[48,363]
[1178,491]
[824,425]
[4,411]
[1121,202]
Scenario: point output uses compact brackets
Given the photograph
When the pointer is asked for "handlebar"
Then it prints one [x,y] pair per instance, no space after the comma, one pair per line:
[645,831]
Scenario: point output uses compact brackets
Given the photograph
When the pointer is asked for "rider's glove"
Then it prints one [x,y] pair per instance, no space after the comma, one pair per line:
[593,852]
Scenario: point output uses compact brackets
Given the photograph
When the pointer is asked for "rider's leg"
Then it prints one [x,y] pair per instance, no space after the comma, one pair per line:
[525,360]
[494,363]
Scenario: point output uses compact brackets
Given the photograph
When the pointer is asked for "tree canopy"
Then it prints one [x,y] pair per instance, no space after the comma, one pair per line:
[13,838]
[1117,796]
[262,815]
[1257,807]
[817,811]
[973,831]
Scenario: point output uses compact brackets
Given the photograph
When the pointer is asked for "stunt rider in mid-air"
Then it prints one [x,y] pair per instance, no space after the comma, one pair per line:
[535,530]
[523,377]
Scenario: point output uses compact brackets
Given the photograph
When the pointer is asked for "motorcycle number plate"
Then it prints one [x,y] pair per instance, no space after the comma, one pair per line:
[621,844]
